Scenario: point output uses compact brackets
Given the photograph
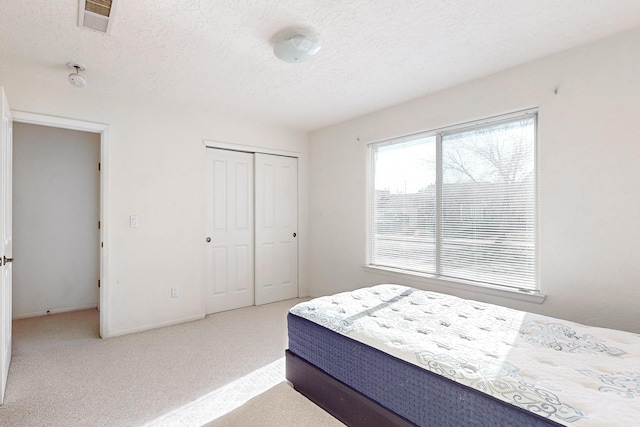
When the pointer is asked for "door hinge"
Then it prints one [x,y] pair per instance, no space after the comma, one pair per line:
[98,282]
[98,225]
[102,244]
[99,166]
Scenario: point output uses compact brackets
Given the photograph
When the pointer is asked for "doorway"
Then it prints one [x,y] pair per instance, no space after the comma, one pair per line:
[56,211]
[102,131]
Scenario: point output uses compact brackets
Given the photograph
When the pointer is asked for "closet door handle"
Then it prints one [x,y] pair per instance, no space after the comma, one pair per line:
[5,260]
[294,234]
[208,239]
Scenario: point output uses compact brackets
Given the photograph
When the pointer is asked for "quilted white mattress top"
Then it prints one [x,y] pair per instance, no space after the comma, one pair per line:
[570,373]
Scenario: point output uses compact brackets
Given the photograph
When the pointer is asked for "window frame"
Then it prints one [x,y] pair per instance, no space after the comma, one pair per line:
[529,294]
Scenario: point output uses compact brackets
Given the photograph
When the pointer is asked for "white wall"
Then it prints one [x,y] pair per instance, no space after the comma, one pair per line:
[56,188]
[156,171]
[589,176]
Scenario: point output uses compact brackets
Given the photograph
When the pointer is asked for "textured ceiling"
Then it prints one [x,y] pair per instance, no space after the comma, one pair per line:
[217,55]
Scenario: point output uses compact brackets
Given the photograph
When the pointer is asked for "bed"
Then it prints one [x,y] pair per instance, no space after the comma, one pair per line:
[390,355]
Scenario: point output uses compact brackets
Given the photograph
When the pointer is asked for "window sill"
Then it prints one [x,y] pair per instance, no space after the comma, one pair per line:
[516,294]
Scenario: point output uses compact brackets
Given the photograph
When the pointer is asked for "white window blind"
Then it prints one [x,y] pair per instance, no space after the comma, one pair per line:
[458,203]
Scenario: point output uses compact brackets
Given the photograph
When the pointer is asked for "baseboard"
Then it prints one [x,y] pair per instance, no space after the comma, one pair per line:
[111,334]
[54,311]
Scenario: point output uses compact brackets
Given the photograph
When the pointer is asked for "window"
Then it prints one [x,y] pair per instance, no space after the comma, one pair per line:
[458,203]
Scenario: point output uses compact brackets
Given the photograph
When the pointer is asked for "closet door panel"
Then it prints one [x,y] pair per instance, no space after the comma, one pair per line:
[276,213]
[230,231]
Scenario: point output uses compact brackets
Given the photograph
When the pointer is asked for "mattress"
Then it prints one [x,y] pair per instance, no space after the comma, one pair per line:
[560,371]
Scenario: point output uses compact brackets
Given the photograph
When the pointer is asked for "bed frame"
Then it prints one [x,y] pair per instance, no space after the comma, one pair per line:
[346,404]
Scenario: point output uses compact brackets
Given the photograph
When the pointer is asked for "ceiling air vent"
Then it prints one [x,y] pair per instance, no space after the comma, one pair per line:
[96,14]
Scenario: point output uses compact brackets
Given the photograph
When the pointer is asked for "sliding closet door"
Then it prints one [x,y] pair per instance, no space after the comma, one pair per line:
[230,230]
[276,213]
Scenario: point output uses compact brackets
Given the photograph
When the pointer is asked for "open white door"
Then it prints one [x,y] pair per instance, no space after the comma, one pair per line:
[276,228]
[6,166]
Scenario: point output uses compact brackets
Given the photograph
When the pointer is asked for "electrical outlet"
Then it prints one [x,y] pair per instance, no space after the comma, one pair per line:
[174,292]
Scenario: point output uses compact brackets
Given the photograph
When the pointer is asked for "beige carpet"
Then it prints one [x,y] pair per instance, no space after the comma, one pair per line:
[279,406]
[63,374]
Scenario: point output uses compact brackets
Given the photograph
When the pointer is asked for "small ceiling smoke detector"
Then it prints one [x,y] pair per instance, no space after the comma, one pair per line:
[75,78]
[297,48]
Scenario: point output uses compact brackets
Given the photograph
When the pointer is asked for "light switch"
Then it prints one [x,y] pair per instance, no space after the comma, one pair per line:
[133,221]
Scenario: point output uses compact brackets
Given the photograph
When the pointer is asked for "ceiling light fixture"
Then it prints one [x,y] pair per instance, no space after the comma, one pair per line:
[297,48]
[75,78]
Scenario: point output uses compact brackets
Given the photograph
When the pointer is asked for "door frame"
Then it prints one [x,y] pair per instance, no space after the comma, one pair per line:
[208,143]
[104,131]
